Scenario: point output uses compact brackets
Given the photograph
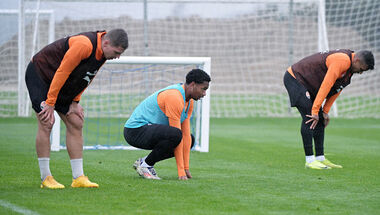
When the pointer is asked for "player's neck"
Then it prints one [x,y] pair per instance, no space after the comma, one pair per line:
[187,93]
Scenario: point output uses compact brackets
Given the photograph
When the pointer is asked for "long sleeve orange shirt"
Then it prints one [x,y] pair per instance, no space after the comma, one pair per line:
[337,65]
[80,48]
[172,104]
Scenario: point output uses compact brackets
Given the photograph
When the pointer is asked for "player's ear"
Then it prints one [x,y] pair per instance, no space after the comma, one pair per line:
[106,42]
[191,86]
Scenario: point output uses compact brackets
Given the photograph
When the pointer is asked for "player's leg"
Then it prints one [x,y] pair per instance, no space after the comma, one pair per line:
[304,107]
[300,98]
[74,144]
[74,137]
[319,135]
[43,154]
[164,140]
[37,93]
[161,139]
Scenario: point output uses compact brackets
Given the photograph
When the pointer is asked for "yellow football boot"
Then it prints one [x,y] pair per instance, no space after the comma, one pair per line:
[330,164]
[82,181]
[51,183]
[316,165]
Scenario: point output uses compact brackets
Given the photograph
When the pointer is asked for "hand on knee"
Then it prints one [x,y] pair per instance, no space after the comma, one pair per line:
[45,126]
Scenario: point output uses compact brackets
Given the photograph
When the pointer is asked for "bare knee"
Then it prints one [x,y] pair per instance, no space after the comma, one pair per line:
[74,122]
[45,127]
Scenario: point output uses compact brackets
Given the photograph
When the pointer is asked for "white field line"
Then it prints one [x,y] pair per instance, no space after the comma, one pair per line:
[16,208]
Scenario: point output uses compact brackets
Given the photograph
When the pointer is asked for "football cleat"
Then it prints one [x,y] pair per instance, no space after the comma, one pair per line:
[330,164]
[82,181]
[316,165]
[51,183]
[153,172]
[145,172]
[137,163]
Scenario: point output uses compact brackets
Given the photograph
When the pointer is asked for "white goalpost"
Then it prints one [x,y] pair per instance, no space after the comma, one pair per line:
[121,85]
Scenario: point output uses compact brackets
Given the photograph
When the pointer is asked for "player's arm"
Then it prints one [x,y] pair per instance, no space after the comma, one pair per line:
[337,65]
[329,102]
[173,109]
[98,55]
[326,108]
[186,138]
[80,48]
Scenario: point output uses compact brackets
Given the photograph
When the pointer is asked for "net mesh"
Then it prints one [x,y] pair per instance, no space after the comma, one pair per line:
[251,44]
[113,95]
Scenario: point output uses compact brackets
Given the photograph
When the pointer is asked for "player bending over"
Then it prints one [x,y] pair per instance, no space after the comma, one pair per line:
[56,78]
[310,82]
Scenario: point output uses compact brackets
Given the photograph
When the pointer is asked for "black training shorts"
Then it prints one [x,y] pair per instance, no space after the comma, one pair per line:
[297,92]
[38,90]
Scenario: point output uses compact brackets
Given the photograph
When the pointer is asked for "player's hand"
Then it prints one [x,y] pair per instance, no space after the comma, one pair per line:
[188,174]
[76,108]
[47,113]
[326,119]
[314,120]
[183,178]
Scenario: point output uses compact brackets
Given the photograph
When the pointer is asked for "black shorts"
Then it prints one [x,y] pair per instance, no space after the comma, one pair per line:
[38,91]
[147,136]
[299,96]
[297,92]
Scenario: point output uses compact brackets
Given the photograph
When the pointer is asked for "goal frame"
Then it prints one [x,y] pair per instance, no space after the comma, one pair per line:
[203,110]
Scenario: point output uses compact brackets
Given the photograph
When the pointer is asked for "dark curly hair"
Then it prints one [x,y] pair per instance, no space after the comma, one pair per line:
[198,76]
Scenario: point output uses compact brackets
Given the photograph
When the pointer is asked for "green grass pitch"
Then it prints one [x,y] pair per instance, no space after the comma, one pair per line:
[255,166]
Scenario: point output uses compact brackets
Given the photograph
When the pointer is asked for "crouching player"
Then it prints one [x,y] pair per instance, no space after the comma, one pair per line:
[161,123]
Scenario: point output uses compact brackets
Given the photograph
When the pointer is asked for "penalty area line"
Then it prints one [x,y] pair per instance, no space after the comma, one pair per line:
[16,208]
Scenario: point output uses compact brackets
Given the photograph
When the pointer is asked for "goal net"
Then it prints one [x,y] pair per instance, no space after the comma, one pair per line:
[122,84]
[251,43]
[355,25]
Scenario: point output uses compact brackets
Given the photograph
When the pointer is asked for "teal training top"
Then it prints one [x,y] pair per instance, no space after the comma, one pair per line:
[148,111]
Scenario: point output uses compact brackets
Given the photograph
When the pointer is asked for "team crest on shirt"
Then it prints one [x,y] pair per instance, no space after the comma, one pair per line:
[307,94]
[339,89]
[88,75]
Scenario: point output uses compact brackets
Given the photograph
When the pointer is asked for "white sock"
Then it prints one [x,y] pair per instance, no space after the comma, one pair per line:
[77,167]
[43,163]
[143,163]
[320,158]
[310,158]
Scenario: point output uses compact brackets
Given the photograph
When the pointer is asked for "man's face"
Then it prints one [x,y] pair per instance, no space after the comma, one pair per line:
[358,66]
[111,52]
[199,90]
